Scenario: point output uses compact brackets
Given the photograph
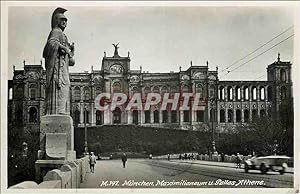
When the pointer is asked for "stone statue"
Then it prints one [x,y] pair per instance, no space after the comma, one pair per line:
[116,49]
[58,54]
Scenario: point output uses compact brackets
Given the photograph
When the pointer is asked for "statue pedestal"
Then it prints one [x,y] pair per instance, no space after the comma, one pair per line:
[56,143]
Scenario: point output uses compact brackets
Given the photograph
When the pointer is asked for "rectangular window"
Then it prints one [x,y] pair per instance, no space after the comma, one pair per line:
[186,116]
[147,116]
[200,116]
[165,116]
[174,116]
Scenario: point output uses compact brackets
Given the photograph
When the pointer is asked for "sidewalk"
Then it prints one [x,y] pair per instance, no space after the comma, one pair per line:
[220,164]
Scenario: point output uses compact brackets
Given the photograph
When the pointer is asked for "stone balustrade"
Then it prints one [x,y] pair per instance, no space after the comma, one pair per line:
[205,157]
[70,175]
[218,158]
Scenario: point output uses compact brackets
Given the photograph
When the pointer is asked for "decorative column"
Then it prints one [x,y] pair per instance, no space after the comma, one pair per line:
[81,113]
[93,114]
[242,113]
[226,115]
[169,116]
[234,114]
[160,117]
[129,116]
[142,113]
[151,116]
[106,115]
[181,117]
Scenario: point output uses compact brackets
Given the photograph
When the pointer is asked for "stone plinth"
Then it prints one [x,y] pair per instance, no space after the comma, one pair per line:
[56,144]
[53,129]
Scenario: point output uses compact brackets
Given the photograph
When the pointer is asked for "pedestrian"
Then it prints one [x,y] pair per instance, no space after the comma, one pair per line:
[185,156]
[124,159]
[238,161]
[168,156]
[150,156]
[180,156]
[92,160]
[222,157]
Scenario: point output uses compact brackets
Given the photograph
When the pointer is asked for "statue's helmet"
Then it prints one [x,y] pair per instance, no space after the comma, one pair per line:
[57,15]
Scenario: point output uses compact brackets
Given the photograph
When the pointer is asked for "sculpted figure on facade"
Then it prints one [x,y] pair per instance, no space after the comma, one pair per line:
[116,49]
[58,54]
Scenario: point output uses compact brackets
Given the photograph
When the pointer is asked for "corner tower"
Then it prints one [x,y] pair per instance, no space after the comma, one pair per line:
[280,78]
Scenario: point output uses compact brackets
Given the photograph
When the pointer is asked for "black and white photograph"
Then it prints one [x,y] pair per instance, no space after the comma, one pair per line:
[123,96]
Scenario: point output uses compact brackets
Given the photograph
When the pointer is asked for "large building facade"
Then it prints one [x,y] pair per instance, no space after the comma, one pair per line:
[224,103]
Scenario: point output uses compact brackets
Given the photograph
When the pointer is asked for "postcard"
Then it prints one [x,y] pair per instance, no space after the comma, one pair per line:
[185,97]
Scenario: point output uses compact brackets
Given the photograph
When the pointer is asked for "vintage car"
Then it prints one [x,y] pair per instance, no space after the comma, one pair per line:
[265,163]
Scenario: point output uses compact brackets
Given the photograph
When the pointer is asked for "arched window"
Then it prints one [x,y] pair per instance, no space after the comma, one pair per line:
[135,117]
[76,116]
[230,116]
[156,89]
[200,116]
[87,93]
[186,116]
[254,93]
[156,116]
[32,115]
[19,94]
[165,116]
[174,116]
[117,87]
[135,90]
[164,90]
[246,93]
[269,89]
[117,116]
[147,116]
[254,114]
[174,89]
[246,116]
[77,94]
[238,116]
[212,115]
[282,75]
[238,93]
[262,93]
[32,91]
[199,89]
[211,91]
[262,113]
[86,116]
[229,93]
[283,92]
[185,89]
[97,91]
[98,117]
[147,90]
[222,116]
[222,93]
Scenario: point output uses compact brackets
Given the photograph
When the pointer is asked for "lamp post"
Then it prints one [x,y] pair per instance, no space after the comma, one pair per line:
[213,143]
[85,132]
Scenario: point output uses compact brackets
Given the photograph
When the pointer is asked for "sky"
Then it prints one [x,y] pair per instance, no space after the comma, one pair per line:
[159,38]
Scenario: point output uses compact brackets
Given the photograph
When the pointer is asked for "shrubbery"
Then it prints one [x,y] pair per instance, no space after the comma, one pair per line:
[139,139]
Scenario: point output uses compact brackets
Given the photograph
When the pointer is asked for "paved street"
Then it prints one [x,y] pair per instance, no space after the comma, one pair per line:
[145,173]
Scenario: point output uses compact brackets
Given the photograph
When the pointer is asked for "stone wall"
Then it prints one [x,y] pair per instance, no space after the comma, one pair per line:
[70,175]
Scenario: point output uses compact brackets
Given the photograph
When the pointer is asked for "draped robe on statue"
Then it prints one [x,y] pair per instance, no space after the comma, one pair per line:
[57,64]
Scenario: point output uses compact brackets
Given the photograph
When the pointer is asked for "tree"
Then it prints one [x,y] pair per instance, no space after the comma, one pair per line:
[271,134]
